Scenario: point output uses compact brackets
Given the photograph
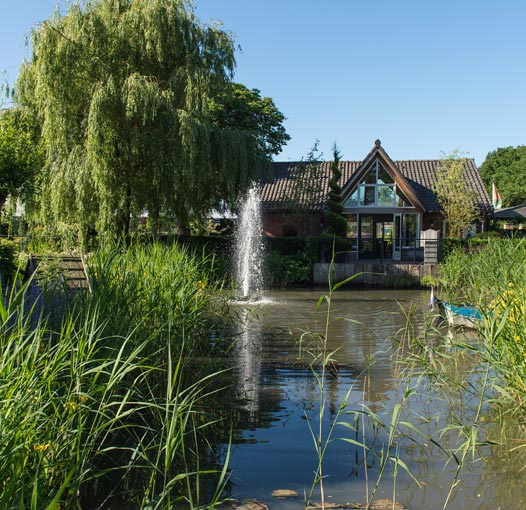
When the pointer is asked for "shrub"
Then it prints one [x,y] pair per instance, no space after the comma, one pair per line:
[8,267]
[284,270]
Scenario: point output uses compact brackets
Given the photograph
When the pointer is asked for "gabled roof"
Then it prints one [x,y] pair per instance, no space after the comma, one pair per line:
[517,212]
[378,153]
[418,175]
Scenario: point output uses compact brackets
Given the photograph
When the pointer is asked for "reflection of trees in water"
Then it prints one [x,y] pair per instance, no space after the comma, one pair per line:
[266,356]
[369,338]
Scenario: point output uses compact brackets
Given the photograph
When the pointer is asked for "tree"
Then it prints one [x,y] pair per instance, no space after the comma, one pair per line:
[456,198]
[241,108]
[337,224]
[304,197]
[506,166]
[20,155]
[123,91]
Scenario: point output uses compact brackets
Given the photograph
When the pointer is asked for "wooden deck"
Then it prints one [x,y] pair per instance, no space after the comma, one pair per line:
[53,281]
[69,271]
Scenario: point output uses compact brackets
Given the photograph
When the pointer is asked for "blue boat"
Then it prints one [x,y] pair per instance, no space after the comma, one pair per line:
[461,315]
[467,316]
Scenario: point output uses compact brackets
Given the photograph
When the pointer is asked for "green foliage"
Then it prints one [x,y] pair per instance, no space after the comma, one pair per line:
[492,277]
[337,224]
[153,289]
[290,260]
[8,266]
[241,108]
[456,198]
[429,281]
[20,155]
[110,409]
[288,270]
[507,167]
[474,273]
[122,91]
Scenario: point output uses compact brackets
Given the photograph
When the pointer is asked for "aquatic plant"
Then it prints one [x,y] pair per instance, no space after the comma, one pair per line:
[493,364]
[104,410]
[354,418]
[492,277]
[322,361]
[431,357]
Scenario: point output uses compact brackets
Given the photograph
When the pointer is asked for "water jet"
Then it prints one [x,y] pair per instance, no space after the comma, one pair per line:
[249,247]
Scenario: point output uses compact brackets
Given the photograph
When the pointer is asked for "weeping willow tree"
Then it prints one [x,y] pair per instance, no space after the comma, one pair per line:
[122,90]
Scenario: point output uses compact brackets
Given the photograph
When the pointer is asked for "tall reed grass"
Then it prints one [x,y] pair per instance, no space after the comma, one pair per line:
[107,410]
[355,420]
[493,277]
[480,377]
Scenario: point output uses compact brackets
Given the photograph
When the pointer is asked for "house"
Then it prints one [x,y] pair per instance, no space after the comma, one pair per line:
[388,204]
[513,219]
[516,213]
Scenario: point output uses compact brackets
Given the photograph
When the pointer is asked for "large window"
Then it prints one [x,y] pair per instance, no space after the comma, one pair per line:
[352,230]
[409,232]
[377,189]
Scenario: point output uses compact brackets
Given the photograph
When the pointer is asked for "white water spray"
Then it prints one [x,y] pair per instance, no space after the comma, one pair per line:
[249,245]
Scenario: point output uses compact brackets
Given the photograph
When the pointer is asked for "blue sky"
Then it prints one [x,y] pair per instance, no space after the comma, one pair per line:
[426,77]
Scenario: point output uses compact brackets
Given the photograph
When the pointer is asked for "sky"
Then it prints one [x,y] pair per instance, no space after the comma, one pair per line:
[426,77]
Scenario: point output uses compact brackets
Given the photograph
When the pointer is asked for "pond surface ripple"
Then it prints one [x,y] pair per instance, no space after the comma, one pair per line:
[273,449]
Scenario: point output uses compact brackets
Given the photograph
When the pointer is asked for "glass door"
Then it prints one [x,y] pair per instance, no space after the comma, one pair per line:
[367,237]
[384,238]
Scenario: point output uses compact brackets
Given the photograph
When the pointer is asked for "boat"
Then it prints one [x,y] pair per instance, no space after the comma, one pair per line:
[467,316]
[460,315]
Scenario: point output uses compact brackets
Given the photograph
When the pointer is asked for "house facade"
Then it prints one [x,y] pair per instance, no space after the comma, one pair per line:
[390,206]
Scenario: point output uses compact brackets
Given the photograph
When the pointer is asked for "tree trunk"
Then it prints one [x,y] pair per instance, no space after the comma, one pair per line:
[183,228]
[124,215]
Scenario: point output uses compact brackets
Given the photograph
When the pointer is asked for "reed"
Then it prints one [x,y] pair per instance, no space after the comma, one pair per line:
[106,409]
[322,362]
[492,277]
[355,420]
[451,368]
[484,377]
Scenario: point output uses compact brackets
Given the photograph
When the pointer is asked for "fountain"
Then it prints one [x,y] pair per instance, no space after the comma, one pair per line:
[249,247]
[248,260]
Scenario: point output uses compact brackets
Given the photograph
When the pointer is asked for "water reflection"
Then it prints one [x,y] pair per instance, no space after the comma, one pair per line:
[248,362]
[274,448]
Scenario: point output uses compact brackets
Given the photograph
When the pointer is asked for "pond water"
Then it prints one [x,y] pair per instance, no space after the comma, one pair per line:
[274,448]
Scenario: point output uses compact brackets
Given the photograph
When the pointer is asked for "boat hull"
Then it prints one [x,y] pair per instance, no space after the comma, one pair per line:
[465,316]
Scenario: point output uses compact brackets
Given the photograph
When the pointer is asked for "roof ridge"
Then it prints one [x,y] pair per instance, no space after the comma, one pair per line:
[360,161]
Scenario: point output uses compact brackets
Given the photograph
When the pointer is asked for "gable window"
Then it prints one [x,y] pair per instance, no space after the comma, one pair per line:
[377,189]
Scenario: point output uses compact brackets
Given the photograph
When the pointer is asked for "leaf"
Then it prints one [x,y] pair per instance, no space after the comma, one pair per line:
[284,493]
[347,280]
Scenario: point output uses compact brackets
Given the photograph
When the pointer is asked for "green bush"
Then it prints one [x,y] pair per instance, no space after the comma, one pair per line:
[8,267]
[287,270]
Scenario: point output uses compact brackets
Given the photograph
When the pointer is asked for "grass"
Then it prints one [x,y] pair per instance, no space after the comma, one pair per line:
[354,419]
[492,277]
[481,379]
[108,408]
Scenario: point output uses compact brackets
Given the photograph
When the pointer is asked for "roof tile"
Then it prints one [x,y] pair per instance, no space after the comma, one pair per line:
[421,175]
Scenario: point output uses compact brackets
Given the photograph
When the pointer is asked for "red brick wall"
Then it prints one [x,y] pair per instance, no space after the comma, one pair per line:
[280,224]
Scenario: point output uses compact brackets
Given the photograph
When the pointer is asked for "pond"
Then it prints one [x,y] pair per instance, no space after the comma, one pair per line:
[274,447]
